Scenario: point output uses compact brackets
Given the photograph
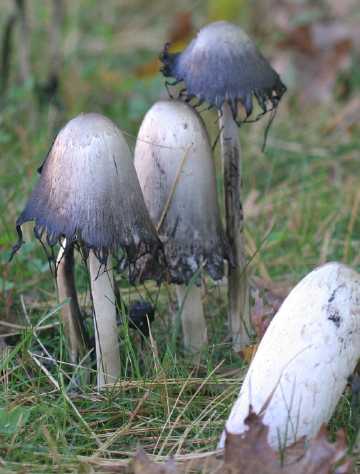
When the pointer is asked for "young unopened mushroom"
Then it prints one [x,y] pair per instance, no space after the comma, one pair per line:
[305,358]
[223,68]
[88,194]
[174,164]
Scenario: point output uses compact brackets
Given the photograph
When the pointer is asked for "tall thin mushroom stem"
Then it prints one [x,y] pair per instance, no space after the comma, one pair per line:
[106,332]
[192,318]
[70,312]
[238,286]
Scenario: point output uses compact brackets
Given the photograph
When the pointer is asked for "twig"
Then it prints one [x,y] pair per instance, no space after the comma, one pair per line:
[21,327]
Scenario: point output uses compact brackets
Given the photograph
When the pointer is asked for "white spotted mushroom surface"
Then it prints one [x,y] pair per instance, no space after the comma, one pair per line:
[303,362]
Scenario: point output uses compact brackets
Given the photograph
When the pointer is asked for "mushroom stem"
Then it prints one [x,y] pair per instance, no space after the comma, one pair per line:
[192,318]
[238,286]
[74,328]
[106,332]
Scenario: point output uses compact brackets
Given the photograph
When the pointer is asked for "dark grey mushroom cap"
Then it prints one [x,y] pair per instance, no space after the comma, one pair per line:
[88,191]
[223,64]
[174,163]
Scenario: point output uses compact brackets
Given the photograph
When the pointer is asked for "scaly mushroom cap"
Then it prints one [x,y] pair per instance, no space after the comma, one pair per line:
[223,64]
[88,192]
[176,173]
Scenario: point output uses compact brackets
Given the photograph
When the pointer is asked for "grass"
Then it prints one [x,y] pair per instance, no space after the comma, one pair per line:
[301,205]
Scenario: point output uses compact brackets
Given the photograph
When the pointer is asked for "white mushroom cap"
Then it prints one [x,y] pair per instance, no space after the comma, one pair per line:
[176,173]
[303,362]
[88,191]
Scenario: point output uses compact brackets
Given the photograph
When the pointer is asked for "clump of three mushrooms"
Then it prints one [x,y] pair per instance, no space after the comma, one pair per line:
[88,193]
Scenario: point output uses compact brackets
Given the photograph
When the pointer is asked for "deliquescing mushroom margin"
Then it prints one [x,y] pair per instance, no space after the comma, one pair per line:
[223,68]
[88,176]
[243,75]
[174,164]
[88,196]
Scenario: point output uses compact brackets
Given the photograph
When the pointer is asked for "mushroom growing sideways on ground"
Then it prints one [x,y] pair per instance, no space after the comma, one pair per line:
[88,195]
[223,68]
[305,358]
[176,173]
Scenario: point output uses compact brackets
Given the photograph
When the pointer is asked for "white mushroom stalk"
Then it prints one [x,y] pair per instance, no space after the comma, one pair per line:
[223,68]
[305,358]
[105,325]
[193,321]
[176,173]
[89,194]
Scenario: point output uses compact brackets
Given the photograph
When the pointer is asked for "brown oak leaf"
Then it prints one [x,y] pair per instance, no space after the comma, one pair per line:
[142,464]
[250,453]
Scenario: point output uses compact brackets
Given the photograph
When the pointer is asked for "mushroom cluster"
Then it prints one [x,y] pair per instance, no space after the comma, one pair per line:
[91,198]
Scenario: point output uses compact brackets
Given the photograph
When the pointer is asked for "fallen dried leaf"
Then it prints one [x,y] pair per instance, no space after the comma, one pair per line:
[182,28]
[142,464]
[264,309]
[178,36]
[318,41]
[261,315]
[320,52]
[248,352]
[250,453]
[321,456]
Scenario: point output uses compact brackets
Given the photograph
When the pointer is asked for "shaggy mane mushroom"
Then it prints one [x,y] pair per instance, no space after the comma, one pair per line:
[223,68]
[88,196]
[176,172]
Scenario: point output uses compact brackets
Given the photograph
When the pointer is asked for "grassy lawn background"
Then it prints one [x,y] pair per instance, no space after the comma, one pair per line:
[302,199]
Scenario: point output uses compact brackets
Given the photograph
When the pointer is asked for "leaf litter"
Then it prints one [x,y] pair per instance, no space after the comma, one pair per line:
[250,453]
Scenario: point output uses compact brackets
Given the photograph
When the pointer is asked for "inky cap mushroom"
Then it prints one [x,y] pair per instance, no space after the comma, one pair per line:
[222,64]
[223,67]
[88,192]
[176,173]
